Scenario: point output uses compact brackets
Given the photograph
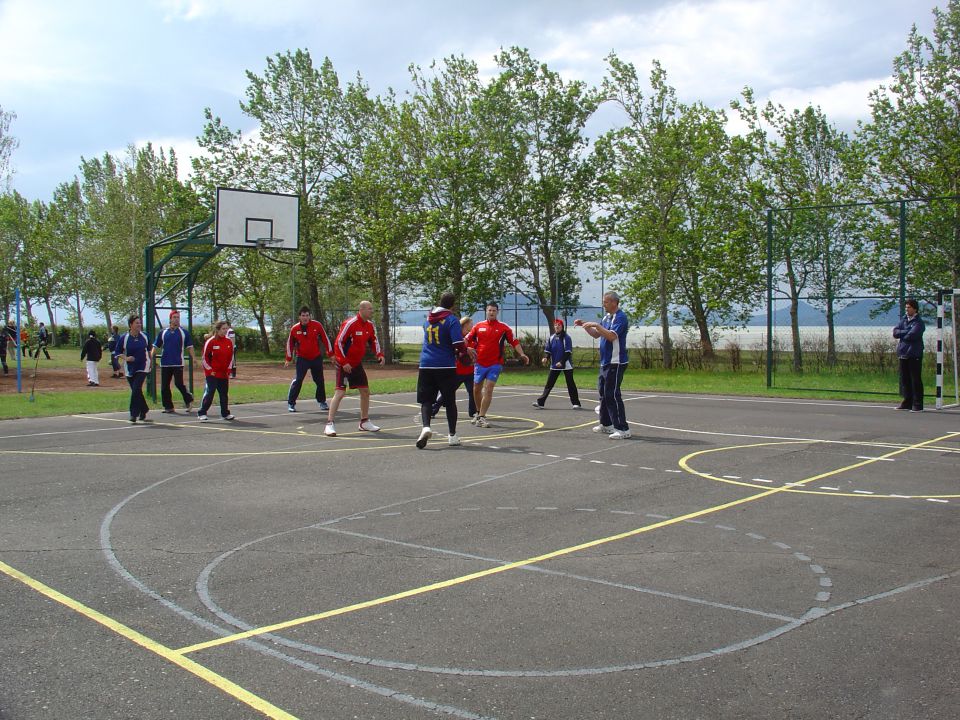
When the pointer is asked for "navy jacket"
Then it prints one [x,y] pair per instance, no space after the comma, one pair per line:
[910,332]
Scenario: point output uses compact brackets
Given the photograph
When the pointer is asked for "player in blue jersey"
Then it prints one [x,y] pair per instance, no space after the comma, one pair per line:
[172,344]
[442,345]
[612,331]
[133,350]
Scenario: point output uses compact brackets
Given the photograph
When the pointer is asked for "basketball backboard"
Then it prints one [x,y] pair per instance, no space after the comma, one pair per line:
[246,218]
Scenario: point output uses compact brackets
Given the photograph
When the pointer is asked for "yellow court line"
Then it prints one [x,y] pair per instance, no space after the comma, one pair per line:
[218,681]
[522,563]
[792,489]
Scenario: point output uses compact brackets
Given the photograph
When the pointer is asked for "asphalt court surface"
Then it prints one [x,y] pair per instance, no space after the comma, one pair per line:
[736,558]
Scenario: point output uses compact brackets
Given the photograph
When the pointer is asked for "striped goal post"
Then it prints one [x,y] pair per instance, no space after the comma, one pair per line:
[944,297]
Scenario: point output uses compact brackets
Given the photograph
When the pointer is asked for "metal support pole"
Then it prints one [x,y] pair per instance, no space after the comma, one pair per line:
[903,257]
[769,298]
[18,348]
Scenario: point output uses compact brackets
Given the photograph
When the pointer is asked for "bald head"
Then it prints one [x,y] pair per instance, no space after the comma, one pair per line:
[365,309]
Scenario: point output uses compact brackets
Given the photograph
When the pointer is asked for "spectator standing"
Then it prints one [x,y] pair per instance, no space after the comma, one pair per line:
[112,349]
[909,333]
[43,339]
[8,337]
[92,352]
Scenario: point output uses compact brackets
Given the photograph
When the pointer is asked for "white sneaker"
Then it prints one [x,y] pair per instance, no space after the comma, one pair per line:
[453,440]
[369,426]
[538,406]
[425,435]
[608,429]
[230,417]
[202,418]
[575,407]
[620,434]
[330,430]
[291,408]
[482,421]
[474,418]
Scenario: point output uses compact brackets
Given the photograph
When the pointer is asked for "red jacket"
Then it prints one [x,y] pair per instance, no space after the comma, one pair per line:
[217,357]
[304,340]
[352,341]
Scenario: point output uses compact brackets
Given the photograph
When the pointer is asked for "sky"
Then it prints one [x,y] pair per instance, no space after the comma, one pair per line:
[95,77]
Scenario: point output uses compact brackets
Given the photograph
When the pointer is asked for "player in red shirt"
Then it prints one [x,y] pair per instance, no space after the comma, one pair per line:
[489,337]
[355,336]
[307,339]
[216,358]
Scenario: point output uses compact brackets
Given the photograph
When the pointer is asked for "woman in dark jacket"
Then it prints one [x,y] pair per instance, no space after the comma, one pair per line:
[909,331]
[92,352]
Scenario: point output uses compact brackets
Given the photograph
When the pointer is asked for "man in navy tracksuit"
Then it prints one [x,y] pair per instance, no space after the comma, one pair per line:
[133,350]
[172,344]
[909,333]
[558,353]
[612,332]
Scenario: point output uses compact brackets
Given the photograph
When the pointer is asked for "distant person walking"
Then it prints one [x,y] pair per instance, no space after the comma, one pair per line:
[232,337]
[25,343]
[112,349]
[356,335]
[306,342]
[612,331]
[133,348]
[216,358]
[558,355]
[8,337]
[92,352]
[43,339]
[172,344]
[909,332]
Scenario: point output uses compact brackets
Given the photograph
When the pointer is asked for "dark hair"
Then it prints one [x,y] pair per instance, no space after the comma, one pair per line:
[448,300]
[913,303]
[131,319]
[493,304]
[303,309]
[115,328]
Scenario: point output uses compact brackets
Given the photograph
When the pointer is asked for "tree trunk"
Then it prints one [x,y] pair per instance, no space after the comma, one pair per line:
[383,298]
[264,335]
[79,315]
[665,342]
[53,324]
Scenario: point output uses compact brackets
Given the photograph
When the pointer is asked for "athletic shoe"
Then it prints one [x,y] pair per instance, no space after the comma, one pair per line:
[482,421]
[94,384]
[330,430]
[903,406]
[538,406]
[171,411]
[368,426]
[620,434]
[291,408]
[608,429]
[474,418]
[143,417]
[133,419]
[188,408]
[202,418]
[230,417]
[324,406]
[425,435]
[916,409]
[453,440]
[575,407]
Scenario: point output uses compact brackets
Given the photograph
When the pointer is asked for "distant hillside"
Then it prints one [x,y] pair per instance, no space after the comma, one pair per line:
[858,313]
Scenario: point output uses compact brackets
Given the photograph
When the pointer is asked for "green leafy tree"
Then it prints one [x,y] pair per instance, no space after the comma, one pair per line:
[545,172]
[913,139]
[8,143]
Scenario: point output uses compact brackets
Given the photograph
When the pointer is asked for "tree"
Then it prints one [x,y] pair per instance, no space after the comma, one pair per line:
[8,143]
[452,149]
[914,141]
[16,224]
[547,176]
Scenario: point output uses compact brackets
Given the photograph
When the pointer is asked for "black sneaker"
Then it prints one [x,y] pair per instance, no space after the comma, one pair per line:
[133,419]
[171,411]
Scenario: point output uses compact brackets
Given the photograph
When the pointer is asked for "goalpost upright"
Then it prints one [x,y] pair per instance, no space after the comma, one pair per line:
[944,297]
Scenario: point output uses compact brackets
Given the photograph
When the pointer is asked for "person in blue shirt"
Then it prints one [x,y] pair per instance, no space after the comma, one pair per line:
[909,333]
[612,331]
[442,345]
[172,344]
[557,355]
[133,350]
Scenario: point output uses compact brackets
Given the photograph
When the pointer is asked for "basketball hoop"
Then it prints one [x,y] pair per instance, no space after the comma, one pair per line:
[268,242]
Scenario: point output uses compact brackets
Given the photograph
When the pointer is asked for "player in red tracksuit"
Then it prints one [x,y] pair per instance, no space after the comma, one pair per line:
[216,358]
[307,340]
[355,336]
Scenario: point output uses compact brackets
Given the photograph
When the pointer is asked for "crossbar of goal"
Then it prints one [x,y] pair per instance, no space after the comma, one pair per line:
[944,297]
